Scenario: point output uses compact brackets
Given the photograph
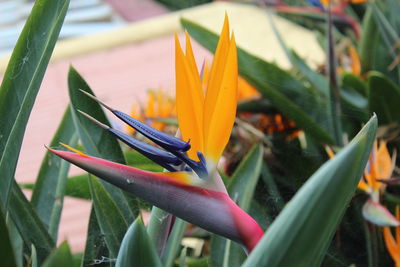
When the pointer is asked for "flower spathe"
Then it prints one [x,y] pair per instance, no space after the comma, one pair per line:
[193,189]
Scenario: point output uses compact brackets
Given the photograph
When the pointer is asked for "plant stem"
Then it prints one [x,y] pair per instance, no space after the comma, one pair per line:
[333,82]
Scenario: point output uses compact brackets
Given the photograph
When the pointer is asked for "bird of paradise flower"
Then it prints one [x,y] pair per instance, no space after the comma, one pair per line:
[379,167]
[193,189]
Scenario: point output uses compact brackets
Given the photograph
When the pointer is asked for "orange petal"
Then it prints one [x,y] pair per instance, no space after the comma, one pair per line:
[384,162]
[398,228]
[189,102]
[391,244]
[220,107]
[355,61]
[216,74]
[192,62]
[363,186]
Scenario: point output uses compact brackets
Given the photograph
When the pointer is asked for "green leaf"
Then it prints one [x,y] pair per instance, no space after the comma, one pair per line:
[374,53]
[174,242]
[22,80]
[388,33]
[33,259]
[29,225]
[95,249]
[302,232]
[48,194]
[109,217]
[383,98]
[95,140]
[318,81]
[241,189]
[182,258]
[159,228]
[256,106]
[17,242]
[6,248]
[61,257]
[287,94]
[137,249]
[272,189]
[355,83]
[245,178]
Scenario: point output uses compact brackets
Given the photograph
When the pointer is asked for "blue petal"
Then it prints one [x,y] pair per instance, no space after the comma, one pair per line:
[159,156]
[164,140]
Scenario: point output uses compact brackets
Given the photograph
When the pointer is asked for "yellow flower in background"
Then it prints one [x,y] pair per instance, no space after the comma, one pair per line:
[393,242]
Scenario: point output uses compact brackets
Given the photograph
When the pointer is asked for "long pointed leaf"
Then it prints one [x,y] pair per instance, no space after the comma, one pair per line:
[111,221]
[95,140]
[29,225]
[95,249]
[306,225]
[100,143]
[384,98]
[137,249]
[22,80]
[49,190]
[6,249]
[61,257]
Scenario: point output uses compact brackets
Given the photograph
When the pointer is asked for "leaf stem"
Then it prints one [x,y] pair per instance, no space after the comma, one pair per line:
[333,82]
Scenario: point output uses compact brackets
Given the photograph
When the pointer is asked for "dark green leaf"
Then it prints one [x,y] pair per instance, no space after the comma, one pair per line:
[302,232]
[354,83]
[272,188]
[137,249]
[383,98]
[61,257]
[96,248]
[29,225]
[256,106]
[6,249]
[374,53]
[287,94]
[48,194]
[96,141]
[17,242]
[22,80]
[109,217]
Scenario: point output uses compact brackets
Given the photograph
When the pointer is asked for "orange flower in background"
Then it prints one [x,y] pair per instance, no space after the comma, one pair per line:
[159,106]
[350,61]
[246,91]
[380,167]
[393,243]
